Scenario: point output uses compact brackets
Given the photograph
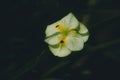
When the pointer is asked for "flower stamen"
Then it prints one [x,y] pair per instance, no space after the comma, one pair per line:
[58,26]
[61,41]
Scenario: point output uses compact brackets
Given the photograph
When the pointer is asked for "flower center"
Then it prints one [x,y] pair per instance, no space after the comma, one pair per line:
[65,32]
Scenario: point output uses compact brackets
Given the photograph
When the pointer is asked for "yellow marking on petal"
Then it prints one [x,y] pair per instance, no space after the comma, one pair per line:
[75,30]
[58,26]
[62,41]
[61,28]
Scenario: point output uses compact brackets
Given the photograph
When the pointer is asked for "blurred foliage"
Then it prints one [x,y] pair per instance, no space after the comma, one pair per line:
[25,56]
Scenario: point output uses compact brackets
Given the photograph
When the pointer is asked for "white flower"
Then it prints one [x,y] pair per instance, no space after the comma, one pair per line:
[66,35]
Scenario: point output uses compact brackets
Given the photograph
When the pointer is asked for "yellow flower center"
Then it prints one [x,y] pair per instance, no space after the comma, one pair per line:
[65,32]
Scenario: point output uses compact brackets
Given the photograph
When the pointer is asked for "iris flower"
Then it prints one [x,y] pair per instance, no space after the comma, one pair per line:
[66,35]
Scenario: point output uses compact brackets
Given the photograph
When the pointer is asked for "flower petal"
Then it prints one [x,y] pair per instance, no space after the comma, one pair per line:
[51,29]
[74,42]
[60,50]
[70,21]
[54,39]
[84,32]
[83,29]
[85,37]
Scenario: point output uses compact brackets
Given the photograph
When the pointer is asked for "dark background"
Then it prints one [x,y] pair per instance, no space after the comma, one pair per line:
[25,56]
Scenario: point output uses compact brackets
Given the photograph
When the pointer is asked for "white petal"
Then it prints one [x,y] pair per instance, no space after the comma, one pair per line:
[84,32]
[70,21]
[51,29]
[54,39]
[85,37]
[74,42]
[83,29]
[60,51]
